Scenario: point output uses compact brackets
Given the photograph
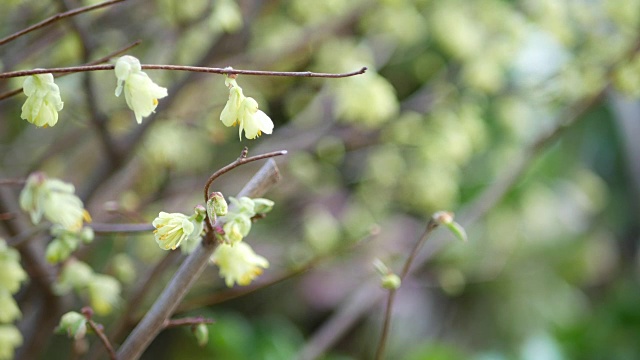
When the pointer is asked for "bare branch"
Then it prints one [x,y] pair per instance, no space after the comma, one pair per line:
[197,69]
[187,321]
[14,92]
[55,18]
[431,226]
[88,313]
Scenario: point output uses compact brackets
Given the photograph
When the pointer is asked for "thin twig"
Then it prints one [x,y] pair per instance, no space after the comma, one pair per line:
[103,59]
[242,159]
[102,228]
[170,323]
[197,69]
[185,277]
[55,18]
[7,182]
[88,313]
[432,225]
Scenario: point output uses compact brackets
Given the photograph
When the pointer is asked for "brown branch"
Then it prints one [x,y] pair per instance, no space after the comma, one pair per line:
[55,18]
[197,69]
[170,323]
[88,313]
[102,228]
[14,92]
[137,296]
[10,182]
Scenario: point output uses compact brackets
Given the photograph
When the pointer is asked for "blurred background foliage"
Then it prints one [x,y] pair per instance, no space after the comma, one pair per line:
[457,94]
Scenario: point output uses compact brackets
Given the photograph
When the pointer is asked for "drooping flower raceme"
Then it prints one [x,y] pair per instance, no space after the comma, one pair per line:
[55,200]
[43,100]
[238,263]
[243,111]
[172,229]
[140,92]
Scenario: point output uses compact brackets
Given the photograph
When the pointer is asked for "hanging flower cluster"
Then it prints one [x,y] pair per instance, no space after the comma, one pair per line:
[238,263]
[243,111]
[11,277]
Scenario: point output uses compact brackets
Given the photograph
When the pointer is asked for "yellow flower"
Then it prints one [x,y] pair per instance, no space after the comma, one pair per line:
[172,229]
[140,92]
[43,100]
[238,263]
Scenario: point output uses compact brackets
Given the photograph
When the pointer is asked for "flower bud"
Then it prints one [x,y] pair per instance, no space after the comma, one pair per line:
[74,324]
[216,206]
[390,281]
[201,332]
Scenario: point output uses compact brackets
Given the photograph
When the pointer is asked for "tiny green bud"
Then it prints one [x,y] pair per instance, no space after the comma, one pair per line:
[446,218]
[443,217]
[262,206]
[87,235]
[216,205]
[74,324]
[201,332]
[391,281]
[199,213]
